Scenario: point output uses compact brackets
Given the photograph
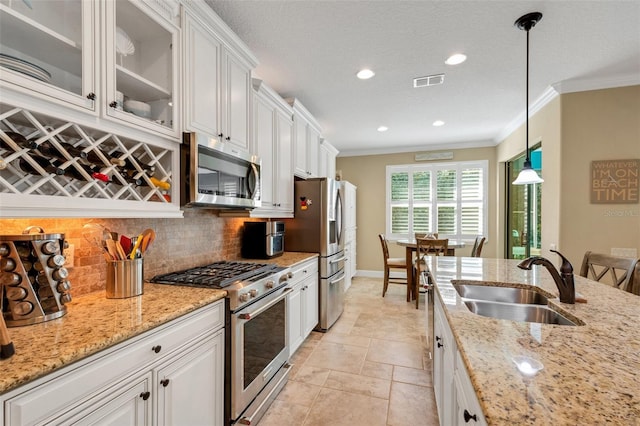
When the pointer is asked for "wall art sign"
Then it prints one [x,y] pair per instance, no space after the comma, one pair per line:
[615,181]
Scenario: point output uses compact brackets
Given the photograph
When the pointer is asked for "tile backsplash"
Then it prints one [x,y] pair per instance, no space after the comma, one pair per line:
[199,238]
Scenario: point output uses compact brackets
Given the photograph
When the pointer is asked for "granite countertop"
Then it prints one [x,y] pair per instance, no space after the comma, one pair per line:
[287,260]
[591,372]
[93,323]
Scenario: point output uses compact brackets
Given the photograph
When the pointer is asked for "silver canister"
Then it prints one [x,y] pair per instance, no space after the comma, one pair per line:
[124,278]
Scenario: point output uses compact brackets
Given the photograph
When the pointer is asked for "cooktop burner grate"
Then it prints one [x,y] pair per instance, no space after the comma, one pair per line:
[217,275]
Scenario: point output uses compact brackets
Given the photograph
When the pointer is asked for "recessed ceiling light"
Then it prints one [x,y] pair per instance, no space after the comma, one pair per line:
[438,123]
[365,74]
[456,59]
[383,128]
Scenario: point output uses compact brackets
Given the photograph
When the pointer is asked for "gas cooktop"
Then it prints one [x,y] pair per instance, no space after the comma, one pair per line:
[218,274]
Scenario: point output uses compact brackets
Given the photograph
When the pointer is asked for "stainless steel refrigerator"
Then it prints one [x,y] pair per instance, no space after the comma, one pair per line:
[317,227]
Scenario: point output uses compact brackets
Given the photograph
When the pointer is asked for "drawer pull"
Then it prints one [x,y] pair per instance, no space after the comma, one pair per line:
[164,382]
[145,395]
[156,348]
[468,416]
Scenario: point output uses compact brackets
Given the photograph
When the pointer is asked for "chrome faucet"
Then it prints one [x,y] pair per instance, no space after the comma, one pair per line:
[563,279]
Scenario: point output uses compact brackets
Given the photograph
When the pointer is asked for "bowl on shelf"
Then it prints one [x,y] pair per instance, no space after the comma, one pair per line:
[141,109]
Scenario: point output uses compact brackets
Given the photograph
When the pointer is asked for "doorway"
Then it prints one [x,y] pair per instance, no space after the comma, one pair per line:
[523,225]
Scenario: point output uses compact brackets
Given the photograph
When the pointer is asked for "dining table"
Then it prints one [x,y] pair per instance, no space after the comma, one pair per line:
[411,246]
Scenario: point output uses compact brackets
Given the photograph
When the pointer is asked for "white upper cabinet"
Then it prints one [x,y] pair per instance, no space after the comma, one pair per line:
[114,59]
[49,49]
[306,147]
[141,55]
[217,82]
[327,156]
[272,142]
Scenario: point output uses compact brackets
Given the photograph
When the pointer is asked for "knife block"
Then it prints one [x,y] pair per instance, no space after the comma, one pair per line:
[34,281]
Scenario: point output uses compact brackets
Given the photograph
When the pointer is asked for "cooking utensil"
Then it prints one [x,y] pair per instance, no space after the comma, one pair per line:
[125,242]
[134,250]
[149,236]
[6,345]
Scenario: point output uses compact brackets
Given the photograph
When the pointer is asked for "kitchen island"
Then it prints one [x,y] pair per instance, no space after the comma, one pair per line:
[591,372]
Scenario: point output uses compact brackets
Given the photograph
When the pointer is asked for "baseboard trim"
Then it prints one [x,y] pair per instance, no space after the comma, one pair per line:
[378,274]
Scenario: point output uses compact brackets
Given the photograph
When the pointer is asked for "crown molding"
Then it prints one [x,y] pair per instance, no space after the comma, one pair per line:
[567,86]
[547,96]
[571,86]
[417,148]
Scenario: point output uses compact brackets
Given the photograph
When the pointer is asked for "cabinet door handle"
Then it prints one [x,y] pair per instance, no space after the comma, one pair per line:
[113,104]
[228,138]
[91,96]
[220,135]
[164,382]
[156,348]
[145,395]
[468,416]
[440,345]
[438,338]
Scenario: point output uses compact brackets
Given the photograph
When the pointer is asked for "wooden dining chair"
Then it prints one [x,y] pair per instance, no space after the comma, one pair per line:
[612,270]
[392,263]
[477,246]
[426,247]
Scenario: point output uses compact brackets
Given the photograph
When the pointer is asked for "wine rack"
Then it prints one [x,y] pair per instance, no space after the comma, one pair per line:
[48,156]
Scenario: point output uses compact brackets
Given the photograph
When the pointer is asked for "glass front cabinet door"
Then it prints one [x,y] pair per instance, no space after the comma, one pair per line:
[140,58]
[47,48]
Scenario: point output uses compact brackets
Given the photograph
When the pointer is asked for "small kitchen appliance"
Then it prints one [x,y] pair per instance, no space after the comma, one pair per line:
[262,240]
[34,280]
[256,337]
[218,175]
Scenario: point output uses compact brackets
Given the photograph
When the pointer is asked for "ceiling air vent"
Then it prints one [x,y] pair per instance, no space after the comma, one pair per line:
[430,80]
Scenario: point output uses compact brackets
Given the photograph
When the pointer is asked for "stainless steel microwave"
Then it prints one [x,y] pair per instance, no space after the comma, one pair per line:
[217,175]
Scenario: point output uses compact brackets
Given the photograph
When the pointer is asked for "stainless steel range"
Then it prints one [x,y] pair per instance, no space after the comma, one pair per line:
[258,327]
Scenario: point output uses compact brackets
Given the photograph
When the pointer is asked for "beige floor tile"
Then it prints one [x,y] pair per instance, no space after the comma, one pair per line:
[413,376]
[284,413]
[394,332]
[338,408]
[375,369]
[312,375]
[355,383]
[337,356]
[298,393]
[411,405]
[347,339]
[342,326]
[396,353]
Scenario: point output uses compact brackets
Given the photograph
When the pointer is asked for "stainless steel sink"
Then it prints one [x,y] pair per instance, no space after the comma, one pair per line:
[517,312]
[500,294]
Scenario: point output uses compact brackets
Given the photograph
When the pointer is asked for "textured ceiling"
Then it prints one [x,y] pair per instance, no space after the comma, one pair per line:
[312,49]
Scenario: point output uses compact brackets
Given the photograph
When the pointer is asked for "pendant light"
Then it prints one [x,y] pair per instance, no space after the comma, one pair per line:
[527,174]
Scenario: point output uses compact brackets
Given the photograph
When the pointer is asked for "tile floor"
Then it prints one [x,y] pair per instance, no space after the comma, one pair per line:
[369,369]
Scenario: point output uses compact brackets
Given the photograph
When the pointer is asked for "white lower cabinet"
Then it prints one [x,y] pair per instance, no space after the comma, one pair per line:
[173,374]
[468,409]
[455,396]
[303,303]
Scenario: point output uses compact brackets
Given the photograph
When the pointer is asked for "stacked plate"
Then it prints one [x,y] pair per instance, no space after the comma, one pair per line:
[24,67]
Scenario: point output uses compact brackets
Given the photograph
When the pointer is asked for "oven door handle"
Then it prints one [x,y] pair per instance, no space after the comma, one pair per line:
[337,279]
[250,315]
[340,259]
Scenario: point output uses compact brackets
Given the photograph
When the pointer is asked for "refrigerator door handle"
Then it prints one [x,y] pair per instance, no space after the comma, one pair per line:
[340,259]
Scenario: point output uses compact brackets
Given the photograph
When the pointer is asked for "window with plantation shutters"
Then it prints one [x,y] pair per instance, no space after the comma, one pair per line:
[447,198]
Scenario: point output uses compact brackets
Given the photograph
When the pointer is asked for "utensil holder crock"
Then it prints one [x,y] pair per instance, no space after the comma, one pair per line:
[124,278]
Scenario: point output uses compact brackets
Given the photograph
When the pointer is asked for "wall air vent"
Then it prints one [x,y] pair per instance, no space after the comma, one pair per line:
[430,80]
